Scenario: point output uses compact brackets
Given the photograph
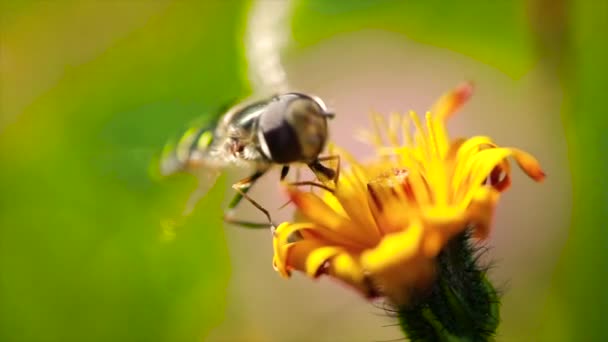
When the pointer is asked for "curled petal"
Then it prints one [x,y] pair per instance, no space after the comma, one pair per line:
[298,253]
[478,169]
[473,145]
[500,177]
[528,164]
[318,259]
[281,247]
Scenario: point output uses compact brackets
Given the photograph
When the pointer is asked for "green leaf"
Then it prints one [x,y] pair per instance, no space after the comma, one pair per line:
[82,250]
[493,32]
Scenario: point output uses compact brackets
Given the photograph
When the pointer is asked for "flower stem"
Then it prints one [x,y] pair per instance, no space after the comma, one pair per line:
[462,305]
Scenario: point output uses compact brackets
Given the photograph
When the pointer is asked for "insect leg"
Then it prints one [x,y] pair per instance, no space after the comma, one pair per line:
[313,184]
[246,224]
[242,187]
[284,172]
[335,157]
[324,173]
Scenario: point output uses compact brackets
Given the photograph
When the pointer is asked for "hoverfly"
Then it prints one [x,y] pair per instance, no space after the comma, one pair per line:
[282,130]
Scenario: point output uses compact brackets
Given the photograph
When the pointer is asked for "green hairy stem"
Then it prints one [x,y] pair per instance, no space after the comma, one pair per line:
[462,305]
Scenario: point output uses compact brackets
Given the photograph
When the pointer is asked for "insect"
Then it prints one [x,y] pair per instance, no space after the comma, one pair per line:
[283,130]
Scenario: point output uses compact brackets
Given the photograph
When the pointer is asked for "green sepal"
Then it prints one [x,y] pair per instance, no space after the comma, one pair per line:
[462,305]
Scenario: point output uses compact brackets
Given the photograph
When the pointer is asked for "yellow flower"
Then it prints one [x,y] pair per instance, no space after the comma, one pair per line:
[382,228]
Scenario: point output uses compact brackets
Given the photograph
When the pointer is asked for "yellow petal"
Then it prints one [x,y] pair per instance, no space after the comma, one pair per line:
[482,211]
[318,257]
[416,176]
[430,127]
[309,230]
[394,124]
[347,269]
[299,252]
[393,249]
[438,135]
[380,126]
[473,145]
[420,137]
[317,211]
[286,229]
[331,200]
[483,163]
[280,246]
[440,215]
[528,164]
[406,133]
[433,242]
[280,267]
[389,203]
[478,169]
[441,224]
[330,237]
[464,157]
[449,103]
[352,196]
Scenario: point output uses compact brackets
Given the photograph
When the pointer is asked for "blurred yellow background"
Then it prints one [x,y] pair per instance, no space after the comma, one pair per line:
[91,90]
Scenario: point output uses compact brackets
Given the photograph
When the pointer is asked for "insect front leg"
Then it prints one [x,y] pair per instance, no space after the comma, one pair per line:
[242,187]
[323,173]
[284,172]
[335,157]
[312,184]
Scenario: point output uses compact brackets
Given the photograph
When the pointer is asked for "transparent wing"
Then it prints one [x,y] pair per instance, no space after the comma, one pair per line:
[207,177]
[169,161]
[197,153]
[176,156]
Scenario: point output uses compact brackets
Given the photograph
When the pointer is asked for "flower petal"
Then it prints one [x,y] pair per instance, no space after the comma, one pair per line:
[528,164]
[281,247]
[351,193]
[317,211]
[345,267]
[478,168]
[438,135]
[482,211]
[393,249]
[309,230]
[472,146]
[500,177]
[331,200]
[451,102]
[318,257]
[298,254]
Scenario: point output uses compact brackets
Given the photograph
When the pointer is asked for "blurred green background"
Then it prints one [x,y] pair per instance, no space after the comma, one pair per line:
[91,90]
